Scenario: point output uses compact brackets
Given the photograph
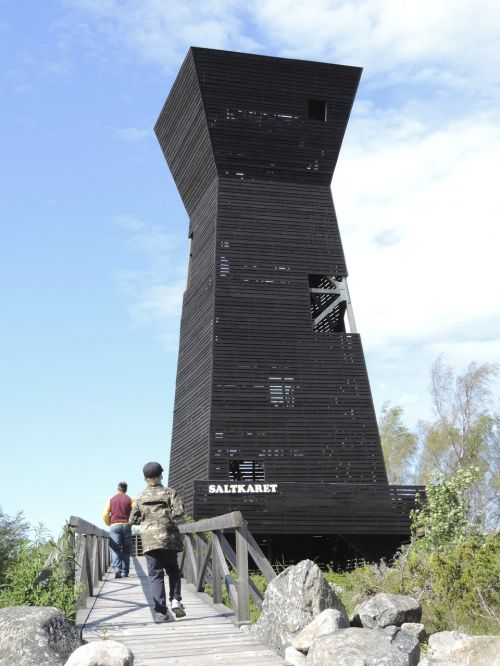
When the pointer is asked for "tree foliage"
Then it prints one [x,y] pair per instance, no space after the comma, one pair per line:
[465,433]
[442,520]
[13,533]
[27,583]
[398,444]
[450,566]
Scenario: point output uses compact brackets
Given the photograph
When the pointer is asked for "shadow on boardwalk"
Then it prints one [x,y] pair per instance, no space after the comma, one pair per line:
[122,612]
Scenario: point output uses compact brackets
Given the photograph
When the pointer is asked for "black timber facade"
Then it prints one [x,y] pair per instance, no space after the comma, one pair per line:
[273,411]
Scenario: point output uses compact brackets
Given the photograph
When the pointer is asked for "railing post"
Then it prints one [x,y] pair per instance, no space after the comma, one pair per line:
[243,611]
[216,570]
[95,561]
[88,565]
[196,560]
[191,560]
[70,563]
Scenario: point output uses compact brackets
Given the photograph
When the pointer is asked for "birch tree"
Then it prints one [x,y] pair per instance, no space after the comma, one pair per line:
[398,445]
[465,433]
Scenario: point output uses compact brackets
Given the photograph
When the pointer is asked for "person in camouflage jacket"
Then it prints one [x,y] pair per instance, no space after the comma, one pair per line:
[155,509]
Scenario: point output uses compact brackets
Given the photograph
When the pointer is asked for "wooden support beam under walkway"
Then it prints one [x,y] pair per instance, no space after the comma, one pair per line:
[122,611]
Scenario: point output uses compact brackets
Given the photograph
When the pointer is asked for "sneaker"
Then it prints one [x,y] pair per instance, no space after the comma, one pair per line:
[178,609]
[118,574]
[161,617]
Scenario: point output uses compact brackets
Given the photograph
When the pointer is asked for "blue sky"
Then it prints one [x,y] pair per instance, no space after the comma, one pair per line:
[93,252]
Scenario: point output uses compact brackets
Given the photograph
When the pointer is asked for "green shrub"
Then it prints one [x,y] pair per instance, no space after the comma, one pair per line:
[450,566]
[13,532]
[459,588]
[365,580]
[441,521]
[28,584]
[259,581]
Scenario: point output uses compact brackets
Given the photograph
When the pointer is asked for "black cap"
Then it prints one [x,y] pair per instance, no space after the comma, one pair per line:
[151,470]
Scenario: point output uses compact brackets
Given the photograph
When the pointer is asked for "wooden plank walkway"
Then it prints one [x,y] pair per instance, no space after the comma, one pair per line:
[122,612]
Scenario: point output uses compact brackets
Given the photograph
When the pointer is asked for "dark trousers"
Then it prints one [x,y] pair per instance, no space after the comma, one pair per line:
[158,561]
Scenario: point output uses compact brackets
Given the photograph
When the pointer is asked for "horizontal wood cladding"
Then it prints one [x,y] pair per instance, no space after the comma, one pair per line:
[261,388]
[316,508]
[296,400]
[258,114]
[301,406]
[191,422]
[271,232]
[183,135]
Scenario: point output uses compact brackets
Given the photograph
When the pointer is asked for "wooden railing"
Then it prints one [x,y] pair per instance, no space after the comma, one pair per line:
[92,558]
[85,555]
[208,555]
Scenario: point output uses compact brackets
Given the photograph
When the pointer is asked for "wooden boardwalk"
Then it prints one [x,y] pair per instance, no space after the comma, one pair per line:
[122,612]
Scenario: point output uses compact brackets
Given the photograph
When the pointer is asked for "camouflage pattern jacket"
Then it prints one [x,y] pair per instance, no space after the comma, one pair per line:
[155,509]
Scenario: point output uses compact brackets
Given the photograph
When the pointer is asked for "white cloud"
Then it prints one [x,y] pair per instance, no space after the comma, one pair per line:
[399,39]
[431,192]
[131,133]
[415,187]
[154,290]
[129,222]
[161,31]
[452,42]
[160,307]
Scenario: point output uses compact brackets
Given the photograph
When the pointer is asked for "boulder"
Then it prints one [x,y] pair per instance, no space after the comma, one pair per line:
[32,636]
[442,640]
[407,643]
[429,661]
[294,658]
[455,647]
[415,628]
[363,647]
[324,623]
[384,609]
[292,600]
[101,653]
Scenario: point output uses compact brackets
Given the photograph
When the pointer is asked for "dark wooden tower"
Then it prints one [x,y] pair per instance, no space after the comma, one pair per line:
[273,410]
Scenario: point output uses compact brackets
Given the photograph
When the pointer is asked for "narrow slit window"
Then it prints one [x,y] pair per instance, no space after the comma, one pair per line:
[316,109]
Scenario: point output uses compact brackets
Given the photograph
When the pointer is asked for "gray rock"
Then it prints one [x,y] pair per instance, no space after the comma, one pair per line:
[415,628]
[384,609]
[391,631]
[361,647]
[102,653]
[326,622]
[442,640]
[408,644]
[429,661]
[292,600]
[455,647]
[294,658]
[439,646]
[32,636]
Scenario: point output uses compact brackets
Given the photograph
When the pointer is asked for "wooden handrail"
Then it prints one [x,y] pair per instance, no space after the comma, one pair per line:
[206,556]
[83,527]
[90,560]
[228,521]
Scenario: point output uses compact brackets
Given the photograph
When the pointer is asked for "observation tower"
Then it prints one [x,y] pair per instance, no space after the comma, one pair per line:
[273,411]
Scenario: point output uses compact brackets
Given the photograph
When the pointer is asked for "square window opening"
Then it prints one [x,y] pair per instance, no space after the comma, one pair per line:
[246,470]
[316,109]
